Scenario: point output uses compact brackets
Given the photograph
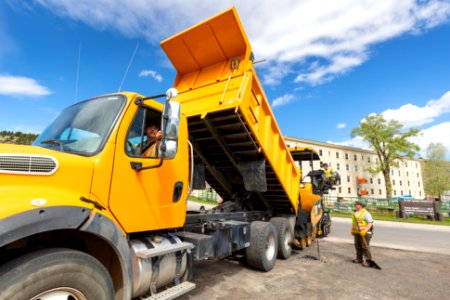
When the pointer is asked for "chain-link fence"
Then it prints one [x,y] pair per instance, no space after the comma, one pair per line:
[208,195]
[346,204]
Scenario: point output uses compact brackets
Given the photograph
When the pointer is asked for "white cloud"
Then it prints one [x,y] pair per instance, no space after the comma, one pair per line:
[341,125]
[283,100]
[336,35]
[21,86]
[434,134]
[411,115]
[150,73]
[439,133]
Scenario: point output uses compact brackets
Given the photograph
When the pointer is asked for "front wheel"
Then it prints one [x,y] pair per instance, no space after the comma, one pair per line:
[57,274]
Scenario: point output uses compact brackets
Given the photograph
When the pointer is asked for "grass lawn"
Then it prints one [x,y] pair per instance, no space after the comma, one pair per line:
[201,200]
[384,217]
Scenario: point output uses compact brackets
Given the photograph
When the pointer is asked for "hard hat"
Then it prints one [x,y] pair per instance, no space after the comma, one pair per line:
[360,203]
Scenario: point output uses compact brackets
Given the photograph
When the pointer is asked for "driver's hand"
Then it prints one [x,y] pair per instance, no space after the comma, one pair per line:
[159,135]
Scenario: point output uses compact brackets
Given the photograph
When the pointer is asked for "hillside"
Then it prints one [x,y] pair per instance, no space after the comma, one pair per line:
[17,137]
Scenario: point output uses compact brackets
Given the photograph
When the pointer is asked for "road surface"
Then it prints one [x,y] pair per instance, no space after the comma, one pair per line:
[395,235]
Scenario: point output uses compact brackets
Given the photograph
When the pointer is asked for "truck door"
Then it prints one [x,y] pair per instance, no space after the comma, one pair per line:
[149,199]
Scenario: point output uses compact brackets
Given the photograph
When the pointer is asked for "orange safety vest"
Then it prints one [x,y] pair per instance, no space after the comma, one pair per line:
[359,223]
[151,151]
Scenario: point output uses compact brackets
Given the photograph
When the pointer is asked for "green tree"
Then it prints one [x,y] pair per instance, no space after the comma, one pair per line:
[389,141]
[436,171]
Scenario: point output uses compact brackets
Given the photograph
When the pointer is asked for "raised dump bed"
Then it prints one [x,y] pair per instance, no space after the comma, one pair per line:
[231,125]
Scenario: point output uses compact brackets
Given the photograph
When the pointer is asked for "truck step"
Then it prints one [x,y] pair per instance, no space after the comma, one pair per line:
[173,292]
[148,253]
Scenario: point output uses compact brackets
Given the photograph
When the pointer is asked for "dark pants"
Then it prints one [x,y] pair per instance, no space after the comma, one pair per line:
[361,249]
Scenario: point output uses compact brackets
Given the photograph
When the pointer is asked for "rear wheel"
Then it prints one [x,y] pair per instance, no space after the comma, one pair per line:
[262,252]
[55,274]
[285,237]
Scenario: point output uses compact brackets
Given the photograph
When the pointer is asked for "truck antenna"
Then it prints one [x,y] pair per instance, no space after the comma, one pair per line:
[128,68]
[78,72]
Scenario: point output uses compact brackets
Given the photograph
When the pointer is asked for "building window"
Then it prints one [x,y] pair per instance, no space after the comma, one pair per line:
[376,159]
[392,172]
[379,181]
[401,192]
[340,190]
[347,167]
[379,192]
[393,182]
[395,193]
[355,157]
[338,166]
[356,168]
[368,159]
[417,165]
[371,191]
[348,178]
[346,155]
[408,184]
[337,154]
[407,174]
[420,193]
[349,190]
[400,183]
[371,180]
[329,153]
[320,152]
[399,173]
[417,175]
[418,183]
[406,164]
[409,192]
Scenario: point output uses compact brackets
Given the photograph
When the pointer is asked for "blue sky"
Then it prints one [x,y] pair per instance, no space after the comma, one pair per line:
[328,63]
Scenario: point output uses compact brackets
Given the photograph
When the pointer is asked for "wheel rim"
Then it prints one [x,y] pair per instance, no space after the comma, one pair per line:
[287,239]
[270,247]
[61,293]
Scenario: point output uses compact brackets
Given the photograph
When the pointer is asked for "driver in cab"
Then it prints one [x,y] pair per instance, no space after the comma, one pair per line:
[151,145]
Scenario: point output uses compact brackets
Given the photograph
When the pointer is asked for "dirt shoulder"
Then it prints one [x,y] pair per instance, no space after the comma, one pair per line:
[405,275]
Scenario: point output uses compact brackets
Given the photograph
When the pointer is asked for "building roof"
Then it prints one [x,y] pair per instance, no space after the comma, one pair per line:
[337,146]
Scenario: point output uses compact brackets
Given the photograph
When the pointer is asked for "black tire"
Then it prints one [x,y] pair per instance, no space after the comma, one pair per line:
[262,252]
[285,237]
[46,272]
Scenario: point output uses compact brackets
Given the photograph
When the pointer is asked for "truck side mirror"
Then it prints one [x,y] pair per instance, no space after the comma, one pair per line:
[171,122]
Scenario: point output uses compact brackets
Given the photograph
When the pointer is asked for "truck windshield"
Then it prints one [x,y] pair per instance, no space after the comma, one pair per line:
[82,128]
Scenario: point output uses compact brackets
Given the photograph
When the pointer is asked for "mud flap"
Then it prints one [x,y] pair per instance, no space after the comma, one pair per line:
[254,175]
[199,182]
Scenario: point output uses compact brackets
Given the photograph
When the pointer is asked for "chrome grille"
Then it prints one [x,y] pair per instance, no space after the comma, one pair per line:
[27,164]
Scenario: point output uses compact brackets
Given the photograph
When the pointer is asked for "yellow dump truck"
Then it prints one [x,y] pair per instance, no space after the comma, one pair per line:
[87,212]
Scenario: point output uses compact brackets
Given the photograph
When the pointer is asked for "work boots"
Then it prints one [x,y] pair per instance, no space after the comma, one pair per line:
[365,264]
[357,261]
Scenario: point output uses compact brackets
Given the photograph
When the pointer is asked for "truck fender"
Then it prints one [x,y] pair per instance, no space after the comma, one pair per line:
[106,229]
[39,220]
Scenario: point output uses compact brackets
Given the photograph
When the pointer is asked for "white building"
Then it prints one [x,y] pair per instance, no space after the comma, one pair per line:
[352,163]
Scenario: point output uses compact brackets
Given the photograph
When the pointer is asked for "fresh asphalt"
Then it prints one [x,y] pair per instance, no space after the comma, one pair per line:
[393,235]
